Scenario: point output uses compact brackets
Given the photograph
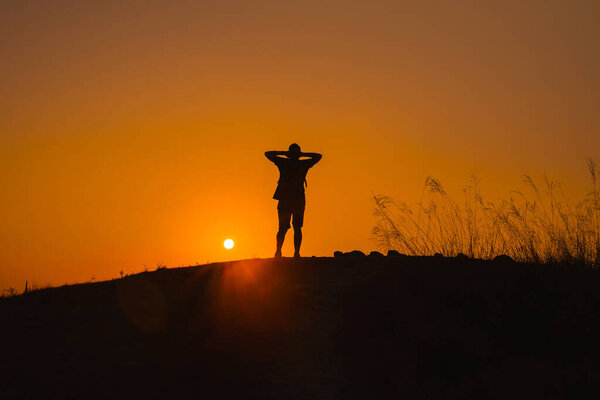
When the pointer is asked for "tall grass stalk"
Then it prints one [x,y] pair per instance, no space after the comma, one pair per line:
[539,225]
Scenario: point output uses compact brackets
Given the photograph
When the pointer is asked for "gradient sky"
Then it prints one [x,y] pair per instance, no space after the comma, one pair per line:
[132,133]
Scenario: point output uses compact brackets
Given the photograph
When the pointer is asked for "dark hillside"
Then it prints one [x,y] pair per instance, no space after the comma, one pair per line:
[346,327]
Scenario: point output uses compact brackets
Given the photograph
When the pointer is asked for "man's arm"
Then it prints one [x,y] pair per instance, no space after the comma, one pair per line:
[275,155]
[313,157]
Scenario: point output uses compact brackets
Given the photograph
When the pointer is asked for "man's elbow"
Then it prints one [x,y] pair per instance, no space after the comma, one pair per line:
[271,156]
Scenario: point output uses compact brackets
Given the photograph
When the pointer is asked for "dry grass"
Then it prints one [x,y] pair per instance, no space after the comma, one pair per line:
[540,225]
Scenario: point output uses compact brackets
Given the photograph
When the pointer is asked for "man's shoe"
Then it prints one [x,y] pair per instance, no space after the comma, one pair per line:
[278,254]
[296,255]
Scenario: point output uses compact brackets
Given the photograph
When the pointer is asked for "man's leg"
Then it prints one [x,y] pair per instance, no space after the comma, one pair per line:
[298,222]
[280,238]
[284,213]
[297,240]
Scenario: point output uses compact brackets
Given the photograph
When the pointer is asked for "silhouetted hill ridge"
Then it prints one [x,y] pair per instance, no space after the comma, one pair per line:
[347,327]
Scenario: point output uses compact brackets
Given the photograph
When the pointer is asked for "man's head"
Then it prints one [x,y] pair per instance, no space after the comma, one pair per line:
[294,151]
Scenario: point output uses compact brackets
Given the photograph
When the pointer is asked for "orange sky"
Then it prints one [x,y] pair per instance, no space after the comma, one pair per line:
[132,133]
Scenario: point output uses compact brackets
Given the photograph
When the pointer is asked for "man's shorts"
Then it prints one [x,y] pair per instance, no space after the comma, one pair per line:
[287,209]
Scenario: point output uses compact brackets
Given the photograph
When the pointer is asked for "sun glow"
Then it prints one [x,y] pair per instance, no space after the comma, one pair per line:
[228,243]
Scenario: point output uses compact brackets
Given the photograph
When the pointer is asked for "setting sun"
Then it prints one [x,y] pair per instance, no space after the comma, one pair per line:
[228,243]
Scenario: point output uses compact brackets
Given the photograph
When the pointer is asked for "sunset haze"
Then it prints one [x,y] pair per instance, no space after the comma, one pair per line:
[132,134]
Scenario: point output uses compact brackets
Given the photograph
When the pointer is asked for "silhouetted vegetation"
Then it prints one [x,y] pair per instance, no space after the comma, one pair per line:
[540,225]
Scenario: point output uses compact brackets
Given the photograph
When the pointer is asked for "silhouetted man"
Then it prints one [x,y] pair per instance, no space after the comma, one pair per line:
[290,191]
